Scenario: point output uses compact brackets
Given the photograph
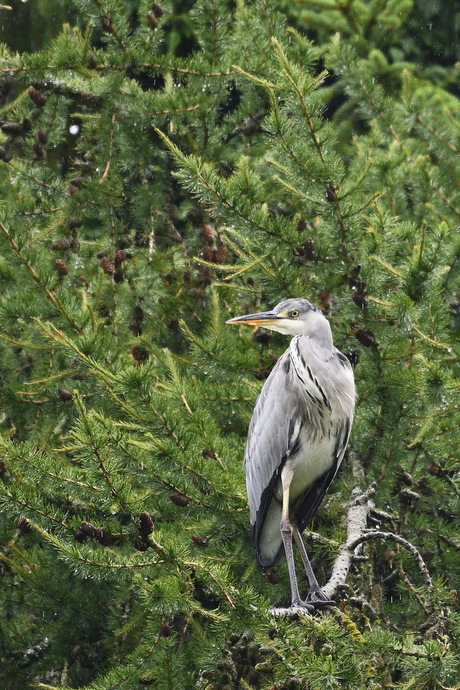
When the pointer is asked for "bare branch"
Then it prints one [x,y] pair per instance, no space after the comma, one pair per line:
[377,534]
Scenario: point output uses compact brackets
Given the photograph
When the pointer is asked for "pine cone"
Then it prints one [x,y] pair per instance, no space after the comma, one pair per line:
[103,537]
[37,96]
[24,525]
[107,26]
[77,181]
[64,394]
[152,21]
[75,245]
[120,256]
[146,523]
[220,254]
[206,252]
[140,354]
[42,137]
[138,313]
[80,536]
[331,194]
[88,529]
[360,299]
[63,243]
[179,500]
[157,9]
[14,129]
[61,267]
[309,249]
[166,630]
[5,154]
[206,276]
[39,151]
[366,338]
[325,299]
[106,265]
[208,232]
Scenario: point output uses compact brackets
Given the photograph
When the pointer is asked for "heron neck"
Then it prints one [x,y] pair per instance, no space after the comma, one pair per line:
[320,334]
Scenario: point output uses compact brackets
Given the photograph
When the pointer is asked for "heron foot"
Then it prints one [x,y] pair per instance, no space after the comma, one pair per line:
[315,601]
[299,604]
[318,600]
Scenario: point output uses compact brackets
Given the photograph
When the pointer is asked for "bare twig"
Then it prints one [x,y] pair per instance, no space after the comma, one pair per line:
[377,534]
[187,406]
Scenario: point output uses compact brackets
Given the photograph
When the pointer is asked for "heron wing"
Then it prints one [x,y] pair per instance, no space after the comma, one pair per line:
[273,436]
[268,436]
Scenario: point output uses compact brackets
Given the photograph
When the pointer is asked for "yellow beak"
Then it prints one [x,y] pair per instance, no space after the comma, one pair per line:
[263,318]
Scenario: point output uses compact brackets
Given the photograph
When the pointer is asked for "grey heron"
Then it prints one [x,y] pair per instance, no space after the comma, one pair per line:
[297,437]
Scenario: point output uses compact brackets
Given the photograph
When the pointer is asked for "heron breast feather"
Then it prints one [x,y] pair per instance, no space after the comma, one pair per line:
[310,465]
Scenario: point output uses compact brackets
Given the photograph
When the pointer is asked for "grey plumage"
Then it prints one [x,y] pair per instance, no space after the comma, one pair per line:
[298,434]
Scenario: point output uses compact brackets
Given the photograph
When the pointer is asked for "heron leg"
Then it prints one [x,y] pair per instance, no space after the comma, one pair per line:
[287,532]
[315,596]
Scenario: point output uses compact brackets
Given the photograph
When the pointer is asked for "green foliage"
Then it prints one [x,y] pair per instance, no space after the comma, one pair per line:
[159,173]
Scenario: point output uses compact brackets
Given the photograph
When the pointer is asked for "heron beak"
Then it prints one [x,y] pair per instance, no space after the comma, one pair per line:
[264,318]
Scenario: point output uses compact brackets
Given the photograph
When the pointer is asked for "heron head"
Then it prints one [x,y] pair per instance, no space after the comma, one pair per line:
[291,317]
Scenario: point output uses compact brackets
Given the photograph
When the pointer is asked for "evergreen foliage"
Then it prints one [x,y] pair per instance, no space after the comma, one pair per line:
[163,168]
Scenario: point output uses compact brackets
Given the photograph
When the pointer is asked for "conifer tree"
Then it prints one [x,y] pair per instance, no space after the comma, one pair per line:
[166,167]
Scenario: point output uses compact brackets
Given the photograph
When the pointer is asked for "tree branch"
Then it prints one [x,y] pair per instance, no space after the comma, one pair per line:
[377,534]
[358,510]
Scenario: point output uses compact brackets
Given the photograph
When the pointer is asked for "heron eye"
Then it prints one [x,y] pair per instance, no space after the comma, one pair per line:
[294,313]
